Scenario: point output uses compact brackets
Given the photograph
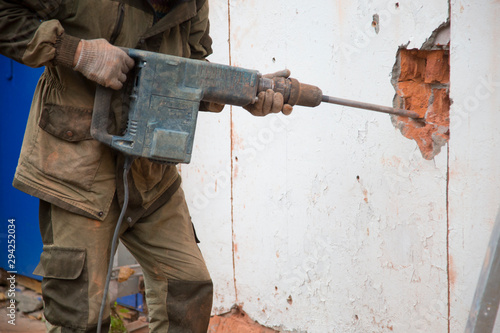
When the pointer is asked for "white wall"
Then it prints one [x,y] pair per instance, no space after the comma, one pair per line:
[474,186]
[287,228]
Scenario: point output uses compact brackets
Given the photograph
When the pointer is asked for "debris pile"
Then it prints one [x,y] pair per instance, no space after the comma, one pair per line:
[236,321]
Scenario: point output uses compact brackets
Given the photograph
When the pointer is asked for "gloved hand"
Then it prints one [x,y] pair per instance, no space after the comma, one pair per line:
[270,101]
[103,63]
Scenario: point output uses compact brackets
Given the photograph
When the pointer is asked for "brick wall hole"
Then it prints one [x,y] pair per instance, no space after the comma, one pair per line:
[421,79]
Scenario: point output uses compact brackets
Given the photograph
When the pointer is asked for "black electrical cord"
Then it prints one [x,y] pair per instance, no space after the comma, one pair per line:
[126,169]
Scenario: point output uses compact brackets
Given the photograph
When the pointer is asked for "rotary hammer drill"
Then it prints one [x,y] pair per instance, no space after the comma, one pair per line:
[166,95]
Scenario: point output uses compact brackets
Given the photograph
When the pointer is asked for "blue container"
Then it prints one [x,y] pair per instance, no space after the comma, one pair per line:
[17,84]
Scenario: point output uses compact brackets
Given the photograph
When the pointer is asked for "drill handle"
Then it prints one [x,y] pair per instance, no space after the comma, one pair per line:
[101,112]
[100,115]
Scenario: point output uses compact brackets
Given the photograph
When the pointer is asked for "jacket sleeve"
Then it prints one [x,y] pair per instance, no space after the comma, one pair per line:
[199,38]
[30,35]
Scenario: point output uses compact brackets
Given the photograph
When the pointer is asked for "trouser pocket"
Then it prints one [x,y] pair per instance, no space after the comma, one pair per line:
[65,287]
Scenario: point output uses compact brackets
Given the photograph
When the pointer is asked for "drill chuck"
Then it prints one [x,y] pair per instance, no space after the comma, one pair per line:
[294,92]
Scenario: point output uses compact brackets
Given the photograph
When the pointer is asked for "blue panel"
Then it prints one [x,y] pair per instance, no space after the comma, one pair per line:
[17,84]
[134,301]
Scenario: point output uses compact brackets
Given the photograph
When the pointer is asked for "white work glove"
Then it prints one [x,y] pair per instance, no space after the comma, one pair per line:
[269,101]
[103,63]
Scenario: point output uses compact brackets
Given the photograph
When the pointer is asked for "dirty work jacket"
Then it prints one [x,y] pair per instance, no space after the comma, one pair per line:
[60,162]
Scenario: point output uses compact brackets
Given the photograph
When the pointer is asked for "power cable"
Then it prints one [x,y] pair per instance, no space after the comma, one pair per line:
[126,169]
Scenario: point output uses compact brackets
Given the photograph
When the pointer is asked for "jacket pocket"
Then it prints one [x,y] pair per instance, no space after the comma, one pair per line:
[64,148]
[65,286]
[66,122]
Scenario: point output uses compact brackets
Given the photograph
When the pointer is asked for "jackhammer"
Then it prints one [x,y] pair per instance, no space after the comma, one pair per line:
[166,96]
[164,104]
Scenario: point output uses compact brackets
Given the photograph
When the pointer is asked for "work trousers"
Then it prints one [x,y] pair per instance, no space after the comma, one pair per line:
[75,259]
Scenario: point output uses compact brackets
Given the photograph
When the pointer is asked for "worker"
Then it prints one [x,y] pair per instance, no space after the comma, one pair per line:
[79,180]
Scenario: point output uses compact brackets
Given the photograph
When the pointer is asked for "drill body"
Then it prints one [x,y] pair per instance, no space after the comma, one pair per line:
[165,100]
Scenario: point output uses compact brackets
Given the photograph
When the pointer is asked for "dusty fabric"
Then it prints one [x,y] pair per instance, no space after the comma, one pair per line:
[76,256]
[77,178]
[59,162]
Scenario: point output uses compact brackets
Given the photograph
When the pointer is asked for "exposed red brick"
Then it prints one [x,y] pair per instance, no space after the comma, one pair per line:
[437,68]
[236,321]
[412,65]
[422,87]
[439,110]
[416,96]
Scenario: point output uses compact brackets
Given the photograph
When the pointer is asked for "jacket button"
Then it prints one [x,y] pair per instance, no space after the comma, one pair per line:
[100,214]
[69,133]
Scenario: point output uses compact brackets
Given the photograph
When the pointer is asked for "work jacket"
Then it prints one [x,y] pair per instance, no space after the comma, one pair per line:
[60,162]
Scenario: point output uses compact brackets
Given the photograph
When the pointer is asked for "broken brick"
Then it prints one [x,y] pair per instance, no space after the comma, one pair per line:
[125,273]
[412,65]
[437,68]
[416,96]
[422,86]
[236,321]
[439,110]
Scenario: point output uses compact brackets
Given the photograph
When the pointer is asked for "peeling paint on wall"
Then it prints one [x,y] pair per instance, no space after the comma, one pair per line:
[421,80]
[315,248]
